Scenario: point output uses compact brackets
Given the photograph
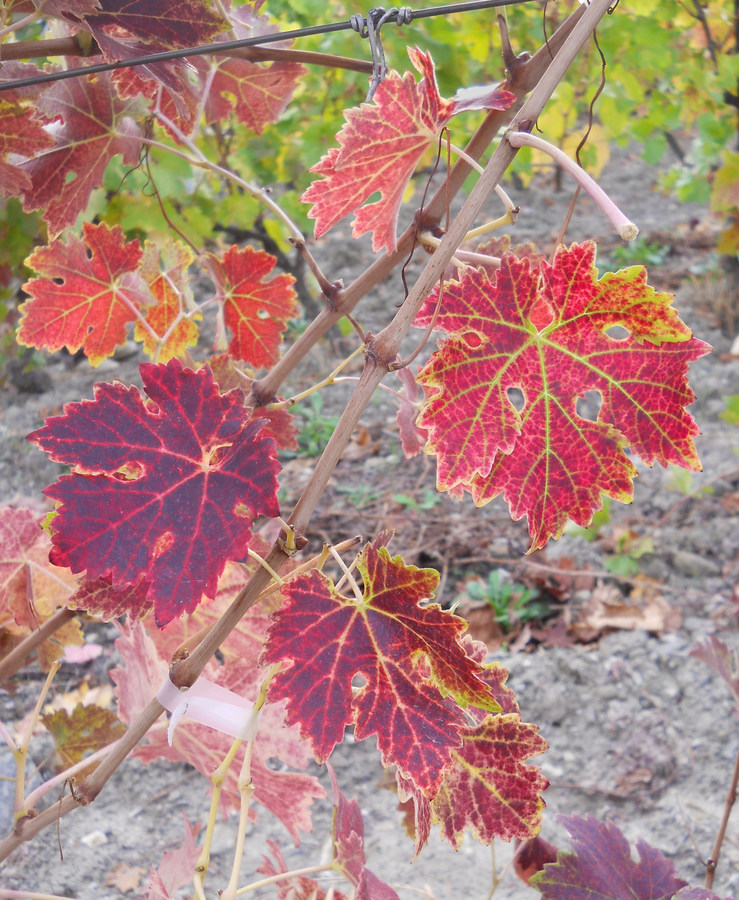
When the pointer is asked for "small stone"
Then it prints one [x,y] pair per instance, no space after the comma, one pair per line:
[94,839]
[694,565]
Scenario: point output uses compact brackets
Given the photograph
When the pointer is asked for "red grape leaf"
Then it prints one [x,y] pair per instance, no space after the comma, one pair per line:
[257,94]
[255,307]
[88,294]
[410,656]
[288,795]
[714,653]
[21,135]
[349,858]
[380,146]
[88,728]
[162,486]
[279,423]
[488,788]
[31,589]
[101,598]
[165,269]
[544,332]
[412,438]
[532,856]
[602,867]
[175,23]
[296,888]
[96,125]
[176,868]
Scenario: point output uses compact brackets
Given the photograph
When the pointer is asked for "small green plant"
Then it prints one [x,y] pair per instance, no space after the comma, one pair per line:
[638,252]
[428,501]
[512,602]
[359,495]
[731,413]
[315,429]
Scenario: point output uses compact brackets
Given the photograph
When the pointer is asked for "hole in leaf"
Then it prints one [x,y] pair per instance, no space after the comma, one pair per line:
[617,332]
[262,314]
[58,281]
[588,406]
[516,398]
[163,543]
[70,177]
[129,472]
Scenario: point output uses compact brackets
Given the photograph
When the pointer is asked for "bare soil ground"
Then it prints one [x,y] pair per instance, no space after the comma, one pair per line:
[639,732]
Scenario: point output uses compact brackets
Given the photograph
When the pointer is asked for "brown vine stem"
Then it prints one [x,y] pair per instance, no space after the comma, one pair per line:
[524,73]
[729,803]
[73,46]
[380,353]
[17,657]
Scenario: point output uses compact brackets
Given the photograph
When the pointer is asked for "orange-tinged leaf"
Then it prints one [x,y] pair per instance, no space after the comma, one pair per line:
[89,293]
[410,655]
[87,729]
[545,333]
[380,146]
[164,269]
[96,126]
[31,588]
[256,307]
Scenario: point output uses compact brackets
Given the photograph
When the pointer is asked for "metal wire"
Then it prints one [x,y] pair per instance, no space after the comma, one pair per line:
[408,15]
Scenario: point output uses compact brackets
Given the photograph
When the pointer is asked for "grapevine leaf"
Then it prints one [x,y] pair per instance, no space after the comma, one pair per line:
[81,732]
[256,94]
[22,542]
[349,858]
[100,597]
[96,125]
[296,888]
[488,788]
[256,308]
[31,589]
[279,423]
[545,333]
[602,866]
[174,23]
[164,268]
[21,135]
[714,653]
[532,856]
[380,146]
[175,869]
[287,794]
[412,438]
[410,656]
[161,486]
[87,296]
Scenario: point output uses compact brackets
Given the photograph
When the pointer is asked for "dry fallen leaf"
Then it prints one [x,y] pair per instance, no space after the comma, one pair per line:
[125,877]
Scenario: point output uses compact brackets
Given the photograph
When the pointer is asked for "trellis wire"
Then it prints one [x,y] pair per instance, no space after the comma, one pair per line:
[408,15]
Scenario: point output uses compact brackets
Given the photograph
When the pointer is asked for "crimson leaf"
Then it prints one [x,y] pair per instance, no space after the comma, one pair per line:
[161,486]
[410,656]
[602,867]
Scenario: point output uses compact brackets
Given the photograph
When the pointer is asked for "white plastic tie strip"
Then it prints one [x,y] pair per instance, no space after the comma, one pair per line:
[210,704]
